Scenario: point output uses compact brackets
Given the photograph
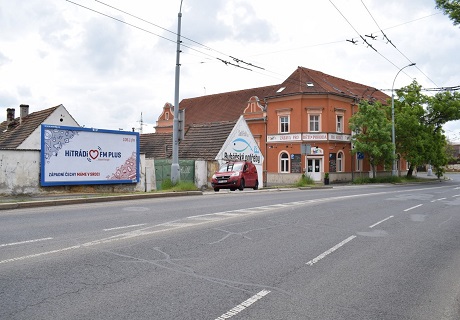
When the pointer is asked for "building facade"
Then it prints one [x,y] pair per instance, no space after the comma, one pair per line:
[300,125]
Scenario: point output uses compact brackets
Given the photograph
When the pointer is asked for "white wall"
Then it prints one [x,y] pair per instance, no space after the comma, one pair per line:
[147,178]
[19,171]
[201,174]
[20,174]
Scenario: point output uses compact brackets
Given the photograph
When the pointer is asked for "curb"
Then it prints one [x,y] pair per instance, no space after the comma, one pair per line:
[60,202]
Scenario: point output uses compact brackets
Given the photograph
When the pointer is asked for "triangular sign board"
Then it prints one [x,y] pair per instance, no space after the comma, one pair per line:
[241,145]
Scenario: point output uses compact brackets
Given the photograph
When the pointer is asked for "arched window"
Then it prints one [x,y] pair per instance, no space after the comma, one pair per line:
[340,162]
[284,162]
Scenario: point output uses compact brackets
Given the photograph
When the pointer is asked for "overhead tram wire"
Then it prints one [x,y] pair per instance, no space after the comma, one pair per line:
[174,41]
[364,39]
[191,40]
[155,25]
[186,46]
[389,41]
[119,20]
[438,89]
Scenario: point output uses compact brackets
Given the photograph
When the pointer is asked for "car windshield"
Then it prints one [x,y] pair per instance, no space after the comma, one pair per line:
[231,167]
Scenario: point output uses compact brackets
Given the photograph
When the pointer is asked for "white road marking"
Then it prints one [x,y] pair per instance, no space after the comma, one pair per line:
[324,254]
[176,224]
[381,221]
[24,242]
[457,195]
[438,199]
[413,207]
[39,254]
[234,311]
[125,227]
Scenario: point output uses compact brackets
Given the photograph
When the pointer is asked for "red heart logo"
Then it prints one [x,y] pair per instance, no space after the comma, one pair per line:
[93,154]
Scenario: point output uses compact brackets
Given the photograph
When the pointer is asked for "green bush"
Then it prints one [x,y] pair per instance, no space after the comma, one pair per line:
[388,179]
[304,181]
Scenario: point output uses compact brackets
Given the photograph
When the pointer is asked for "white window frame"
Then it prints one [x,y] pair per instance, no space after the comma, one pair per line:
[282,123]
[339,123]
[312,121]
[284,163]
[340,161]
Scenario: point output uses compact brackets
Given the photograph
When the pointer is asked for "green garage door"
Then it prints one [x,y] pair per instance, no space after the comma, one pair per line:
[163,171]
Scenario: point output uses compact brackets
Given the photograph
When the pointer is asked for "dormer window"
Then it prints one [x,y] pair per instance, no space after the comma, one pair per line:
[310,84]
[166,115]
[280,89]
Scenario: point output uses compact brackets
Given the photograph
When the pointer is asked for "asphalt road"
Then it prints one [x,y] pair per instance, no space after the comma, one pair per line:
[352,252]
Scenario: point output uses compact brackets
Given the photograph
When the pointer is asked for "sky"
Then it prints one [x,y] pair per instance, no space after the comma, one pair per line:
[112,63]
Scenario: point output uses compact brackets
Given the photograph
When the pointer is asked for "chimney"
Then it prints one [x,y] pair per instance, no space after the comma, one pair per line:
[24,111]
[9,115]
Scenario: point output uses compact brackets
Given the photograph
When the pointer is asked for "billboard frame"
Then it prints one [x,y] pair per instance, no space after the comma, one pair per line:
[43,161]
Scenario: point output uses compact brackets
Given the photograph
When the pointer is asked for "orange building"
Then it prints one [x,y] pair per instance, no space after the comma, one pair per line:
[301,125]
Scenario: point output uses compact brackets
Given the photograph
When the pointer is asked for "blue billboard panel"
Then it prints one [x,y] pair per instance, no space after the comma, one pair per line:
[78,156]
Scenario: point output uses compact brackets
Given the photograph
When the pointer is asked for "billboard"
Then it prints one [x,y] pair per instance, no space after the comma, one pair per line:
[241,146]
[76,156]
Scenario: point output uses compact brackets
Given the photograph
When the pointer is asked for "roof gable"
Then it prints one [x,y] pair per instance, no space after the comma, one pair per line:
[14,133]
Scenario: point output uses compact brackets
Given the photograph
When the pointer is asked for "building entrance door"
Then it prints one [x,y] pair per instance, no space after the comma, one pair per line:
[314,169]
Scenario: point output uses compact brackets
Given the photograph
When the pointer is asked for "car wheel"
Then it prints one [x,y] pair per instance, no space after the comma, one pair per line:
[232,189]
[256,185]
[216,189]
[241,188]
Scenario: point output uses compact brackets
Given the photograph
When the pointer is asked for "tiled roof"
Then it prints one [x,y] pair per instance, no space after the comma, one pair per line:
[202,141]
[12,135]
[228,106]
[308,81]
[156,145]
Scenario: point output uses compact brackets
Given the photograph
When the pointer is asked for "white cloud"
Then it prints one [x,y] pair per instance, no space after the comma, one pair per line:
[106,73]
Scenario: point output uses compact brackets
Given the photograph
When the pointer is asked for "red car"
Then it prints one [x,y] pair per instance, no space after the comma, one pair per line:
[236,175]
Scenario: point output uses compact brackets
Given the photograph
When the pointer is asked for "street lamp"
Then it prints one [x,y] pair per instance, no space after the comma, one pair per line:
[393,138]
[175,168]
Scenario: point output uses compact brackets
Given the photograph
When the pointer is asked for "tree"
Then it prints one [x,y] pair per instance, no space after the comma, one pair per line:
[412,135]
[372,134]
[442,108]
[450,8]
[418,125]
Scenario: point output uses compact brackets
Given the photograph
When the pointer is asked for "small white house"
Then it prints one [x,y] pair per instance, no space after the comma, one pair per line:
[20,151]
[20,144]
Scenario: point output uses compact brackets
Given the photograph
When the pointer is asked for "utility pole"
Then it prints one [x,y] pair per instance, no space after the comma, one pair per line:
[394,170]
[175,168]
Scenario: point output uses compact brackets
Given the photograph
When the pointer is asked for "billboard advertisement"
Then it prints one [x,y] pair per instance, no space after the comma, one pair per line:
[77,156]
[241,146]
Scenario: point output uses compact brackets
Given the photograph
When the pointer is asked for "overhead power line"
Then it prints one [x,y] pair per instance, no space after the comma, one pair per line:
[165,38]
[237,61]
[438,89]
[119,20]
[360,36]
[389,41]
